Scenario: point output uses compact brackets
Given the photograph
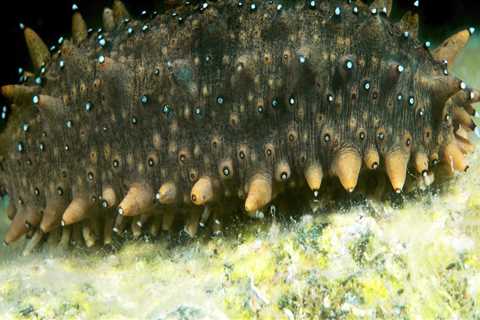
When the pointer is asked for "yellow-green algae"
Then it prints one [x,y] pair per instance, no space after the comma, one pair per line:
[374,261]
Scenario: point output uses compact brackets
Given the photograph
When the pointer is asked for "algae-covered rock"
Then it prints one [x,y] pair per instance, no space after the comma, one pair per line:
[418,260]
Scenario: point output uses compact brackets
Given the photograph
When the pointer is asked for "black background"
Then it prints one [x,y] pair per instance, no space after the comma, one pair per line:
[52,19]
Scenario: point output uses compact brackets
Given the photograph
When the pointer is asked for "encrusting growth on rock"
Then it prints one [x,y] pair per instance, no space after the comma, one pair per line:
[182,119]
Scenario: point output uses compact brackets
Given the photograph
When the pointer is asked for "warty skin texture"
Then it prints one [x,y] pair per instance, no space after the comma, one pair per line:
[181,115]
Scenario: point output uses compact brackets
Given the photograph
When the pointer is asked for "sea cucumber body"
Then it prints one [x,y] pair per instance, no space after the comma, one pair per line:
[237,94]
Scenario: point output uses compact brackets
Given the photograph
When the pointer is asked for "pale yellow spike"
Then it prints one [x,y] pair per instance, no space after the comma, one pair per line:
[167,194]
[32,217]
[346,166]
[462,117]
[389,6]
[409,23]
[108,20]
[37,49]
[11,210]
[19,94]
[202,191]
[421,163]
[120,12]
[259,193]
[314,176]
[396,166]
[465,145]
[52,215]
[282,171]
[76,211]
[371,158]
[79,28]
[16,229]
[451,47]
[462,133]
[109,197]
[454,157]
[138,200]
[442,87]
[463,141]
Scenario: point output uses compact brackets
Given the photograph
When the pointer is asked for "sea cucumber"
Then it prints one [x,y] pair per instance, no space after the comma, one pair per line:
[191,112]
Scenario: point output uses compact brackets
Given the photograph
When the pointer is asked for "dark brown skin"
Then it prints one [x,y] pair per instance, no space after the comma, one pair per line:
[232,93]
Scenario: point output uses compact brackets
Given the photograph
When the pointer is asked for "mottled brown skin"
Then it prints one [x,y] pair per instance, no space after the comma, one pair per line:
[229,93]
